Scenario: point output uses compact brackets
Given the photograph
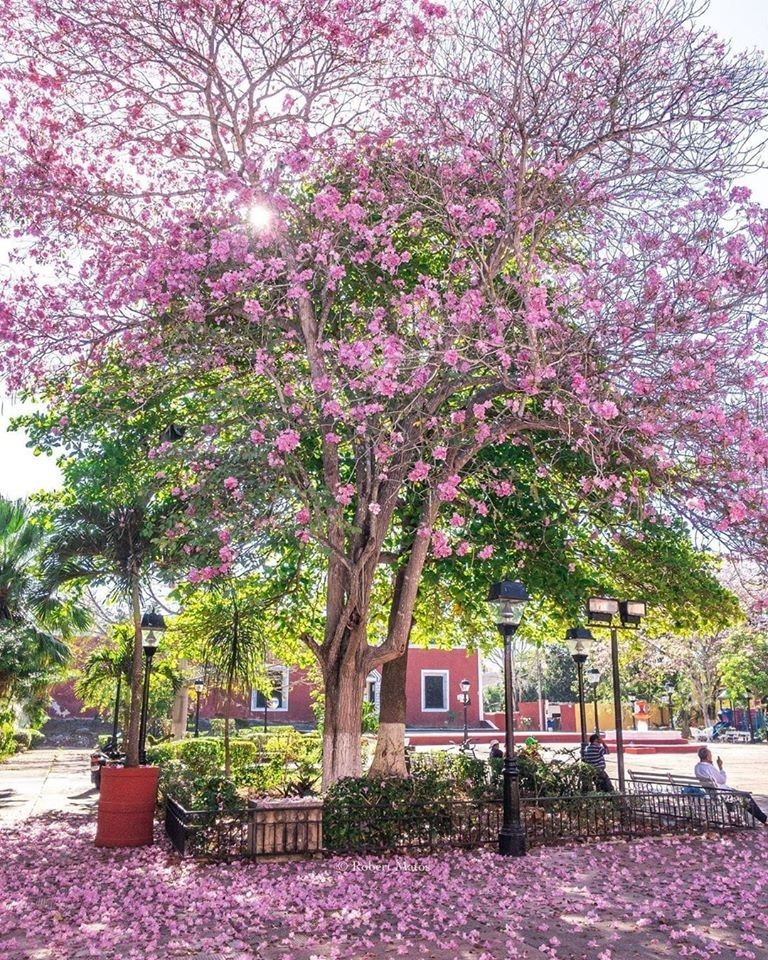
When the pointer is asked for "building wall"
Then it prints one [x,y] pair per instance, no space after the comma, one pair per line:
[454,666]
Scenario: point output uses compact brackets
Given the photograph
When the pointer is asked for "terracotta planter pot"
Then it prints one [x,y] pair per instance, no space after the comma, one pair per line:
[127,806]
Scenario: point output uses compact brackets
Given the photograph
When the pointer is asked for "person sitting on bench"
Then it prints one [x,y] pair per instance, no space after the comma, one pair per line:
[709,774]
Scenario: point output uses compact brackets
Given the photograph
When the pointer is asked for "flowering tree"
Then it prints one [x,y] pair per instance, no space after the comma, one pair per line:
[509,222]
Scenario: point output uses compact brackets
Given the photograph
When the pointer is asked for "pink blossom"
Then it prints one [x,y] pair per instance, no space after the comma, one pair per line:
[287,441]
[420,471]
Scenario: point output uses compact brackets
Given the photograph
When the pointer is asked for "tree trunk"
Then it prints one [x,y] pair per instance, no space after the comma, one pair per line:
[227,712]
[342,725]
[389,759]
[134,713]
[180,711]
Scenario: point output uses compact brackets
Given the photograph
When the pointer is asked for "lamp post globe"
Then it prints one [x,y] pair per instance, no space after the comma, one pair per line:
[508,599]
[152,629]
[579,641]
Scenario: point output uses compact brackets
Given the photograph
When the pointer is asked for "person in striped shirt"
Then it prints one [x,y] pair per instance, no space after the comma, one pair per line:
[594,754]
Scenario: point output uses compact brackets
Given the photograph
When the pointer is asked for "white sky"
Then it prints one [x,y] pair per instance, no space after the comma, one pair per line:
[743,22]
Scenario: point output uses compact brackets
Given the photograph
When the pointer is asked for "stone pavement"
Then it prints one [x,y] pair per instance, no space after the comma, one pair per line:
[652,899]
[746,765]
[45,781]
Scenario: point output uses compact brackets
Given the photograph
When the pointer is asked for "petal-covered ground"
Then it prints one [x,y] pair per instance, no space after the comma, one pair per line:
[62,899]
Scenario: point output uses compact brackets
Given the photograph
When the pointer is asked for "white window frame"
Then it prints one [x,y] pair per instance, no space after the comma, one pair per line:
[285,687]
[445,674]
[374,677]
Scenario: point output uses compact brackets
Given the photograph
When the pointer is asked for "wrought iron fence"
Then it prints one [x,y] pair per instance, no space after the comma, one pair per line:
[426,828]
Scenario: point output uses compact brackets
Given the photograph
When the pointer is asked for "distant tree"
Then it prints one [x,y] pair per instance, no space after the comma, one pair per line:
[34,619]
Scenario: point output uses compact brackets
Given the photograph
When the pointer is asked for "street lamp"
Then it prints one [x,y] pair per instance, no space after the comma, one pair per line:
[112,748]
[601,612]
[199,687]
[632,702]
[509,598]
[270,703]
[464,685]
[593,677]
[748,695]
[669,689]
[152,628]
[721,695]
[579,641]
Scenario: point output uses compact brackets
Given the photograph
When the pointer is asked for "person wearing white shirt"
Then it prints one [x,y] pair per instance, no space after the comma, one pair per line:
[707,771]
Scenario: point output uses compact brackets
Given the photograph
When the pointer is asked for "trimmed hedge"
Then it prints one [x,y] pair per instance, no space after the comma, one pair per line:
[283,761]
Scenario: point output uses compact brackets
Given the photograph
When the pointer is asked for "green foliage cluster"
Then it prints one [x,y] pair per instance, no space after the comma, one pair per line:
[369,813]
[284,763]
[7,743]
[556,777]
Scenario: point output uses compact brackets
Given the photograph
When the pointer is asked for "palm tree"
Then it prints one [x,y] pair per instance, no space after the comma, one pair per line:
[229,632]
[108,546]
[108,670]
[31,616]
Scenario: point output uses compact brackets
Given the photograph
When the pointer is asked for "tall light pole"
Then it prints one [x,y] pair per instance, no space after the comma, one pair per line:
[669,689]
[270,703]
[152,628]
[593,677]
[464,699]
[748,695]
[721,696]
[509,598]
[579,641]
[601,612]
[116,717]
[632,702]
[199,686]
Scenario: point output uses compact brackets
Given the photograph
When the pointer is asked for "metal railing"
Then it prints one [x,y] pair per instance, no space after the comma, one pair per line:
[427,828]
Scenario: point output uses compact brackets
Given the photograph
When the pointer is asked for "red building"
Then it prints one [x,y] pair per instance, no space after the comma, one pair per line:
[432,691]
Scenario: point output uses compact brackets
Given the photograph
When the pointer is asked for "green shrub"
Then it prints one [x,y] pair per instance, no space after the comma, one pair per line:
[282,762]
[7,743]
[368,813]
[541,777]
[23,740]
[38,737]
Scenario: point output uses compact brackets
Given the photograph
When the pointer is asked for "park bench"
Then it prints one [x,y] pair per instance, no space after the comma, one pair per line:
[692,798]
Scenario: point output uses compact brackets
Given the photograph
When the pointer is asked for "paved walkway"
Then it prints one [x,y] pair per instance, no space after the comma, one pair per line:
[746,765]
[43,781]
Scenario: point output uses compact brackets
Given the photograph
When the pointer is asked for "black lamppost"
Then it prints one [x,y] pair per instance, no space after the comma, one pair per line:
[748,695]
[579,641]
[152,627]
[632,702]
[721,695]
[464,699]
[112,749]
[593,677]
[199,687]
[601,611]
[509,597]
[669,689]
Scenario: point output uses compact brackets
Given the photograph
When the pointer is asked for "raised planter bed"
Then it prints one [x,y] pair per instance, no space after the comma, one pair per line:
[284,827]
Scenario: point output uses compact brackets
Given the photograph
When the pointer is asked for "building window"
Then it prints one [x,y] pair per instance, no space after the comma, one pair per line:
[373,689]
[279,679]
[434,690]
